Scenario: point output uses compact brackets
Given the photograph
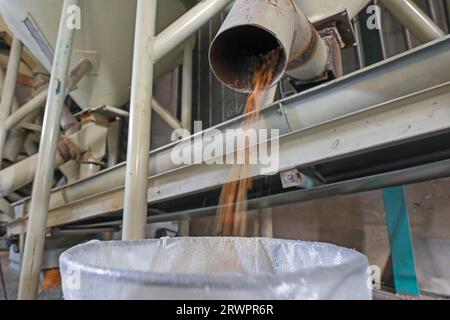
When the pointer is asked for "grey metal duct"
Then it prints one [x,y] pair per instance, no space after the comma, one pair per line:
[254,28]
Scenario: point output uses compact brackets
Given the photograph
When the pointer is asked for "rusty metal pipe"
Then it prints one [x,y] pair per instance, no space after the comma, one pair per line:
[254,28]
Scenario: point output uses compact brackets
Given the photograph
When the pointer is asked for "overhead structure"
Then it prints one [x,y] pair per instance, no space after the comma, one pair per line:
[43,179]
[330,123]
[413,18]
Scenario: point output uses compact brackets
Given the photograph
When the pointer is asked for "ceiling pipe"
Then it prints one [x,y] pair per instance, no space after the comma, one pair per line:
[254,28]
[9,87]
[135,202]
[412,17]
[184,27]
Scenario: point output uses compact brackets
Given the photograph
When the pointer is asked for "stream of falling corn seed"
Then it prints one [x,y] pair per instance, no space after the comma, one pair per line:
[231,217]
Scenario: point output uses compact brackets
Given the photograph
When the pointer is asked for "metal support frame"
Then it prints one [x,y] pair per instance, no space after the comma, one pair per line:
[186,88]
[413,18]
[185,26]
[402,120]
[9,87]
[147,51]
[22,173]
[308,123]
[406,176]
[135,203]
[401,242]
[397,219]
[34,244]
[76,74]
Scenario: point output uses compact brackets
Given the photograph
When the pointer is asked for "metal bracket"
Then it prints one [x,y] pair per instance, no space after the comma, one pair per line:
[340,21]
[294,178]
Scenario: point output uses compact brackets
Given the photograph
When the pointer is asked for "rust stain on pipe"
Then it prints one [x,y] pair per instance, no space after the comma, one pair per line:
[306,53]
[254,28]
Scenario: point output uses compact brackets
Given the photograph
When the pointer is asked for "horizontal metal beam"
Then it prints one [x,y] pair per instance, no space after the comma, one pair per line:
[402,120]
[417,174]
[407,176]
[324,123]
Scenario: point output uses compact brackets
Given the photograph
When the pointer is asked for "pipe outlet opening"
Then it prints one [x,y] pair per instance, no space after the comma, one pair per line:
[235,53]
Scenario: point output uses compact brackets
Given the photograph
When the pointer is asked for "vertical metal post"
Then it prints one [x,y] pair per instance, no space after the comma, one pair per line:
[186,90]
[8,91]
[114,142]
[186,110]
[447,7]
[136,178]
[359,47]
[394,199]
[400,238]
[35,237]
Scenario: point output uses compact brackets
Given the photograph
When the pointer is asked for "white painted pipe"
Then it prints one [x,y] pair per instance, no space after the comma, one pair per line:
[186,111]
[13,144]
[9,88]
[136,175]
[254,28]
[447,3]
[412,17]
[32,105]
[37,224]
[31,145]
[76,74]
[186,88]
[147,46]
[21,173]
[266,223]
[114,141]
[185,26]
[168,118]
[15,105]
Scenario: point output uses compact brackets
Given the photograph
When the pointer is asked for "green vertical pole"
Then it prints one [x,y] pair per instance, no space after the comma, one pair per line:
[401,243]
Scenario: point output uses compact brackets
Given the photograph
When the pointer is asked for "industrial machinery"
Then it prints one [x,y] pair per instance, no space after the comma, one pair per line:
[89,165]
